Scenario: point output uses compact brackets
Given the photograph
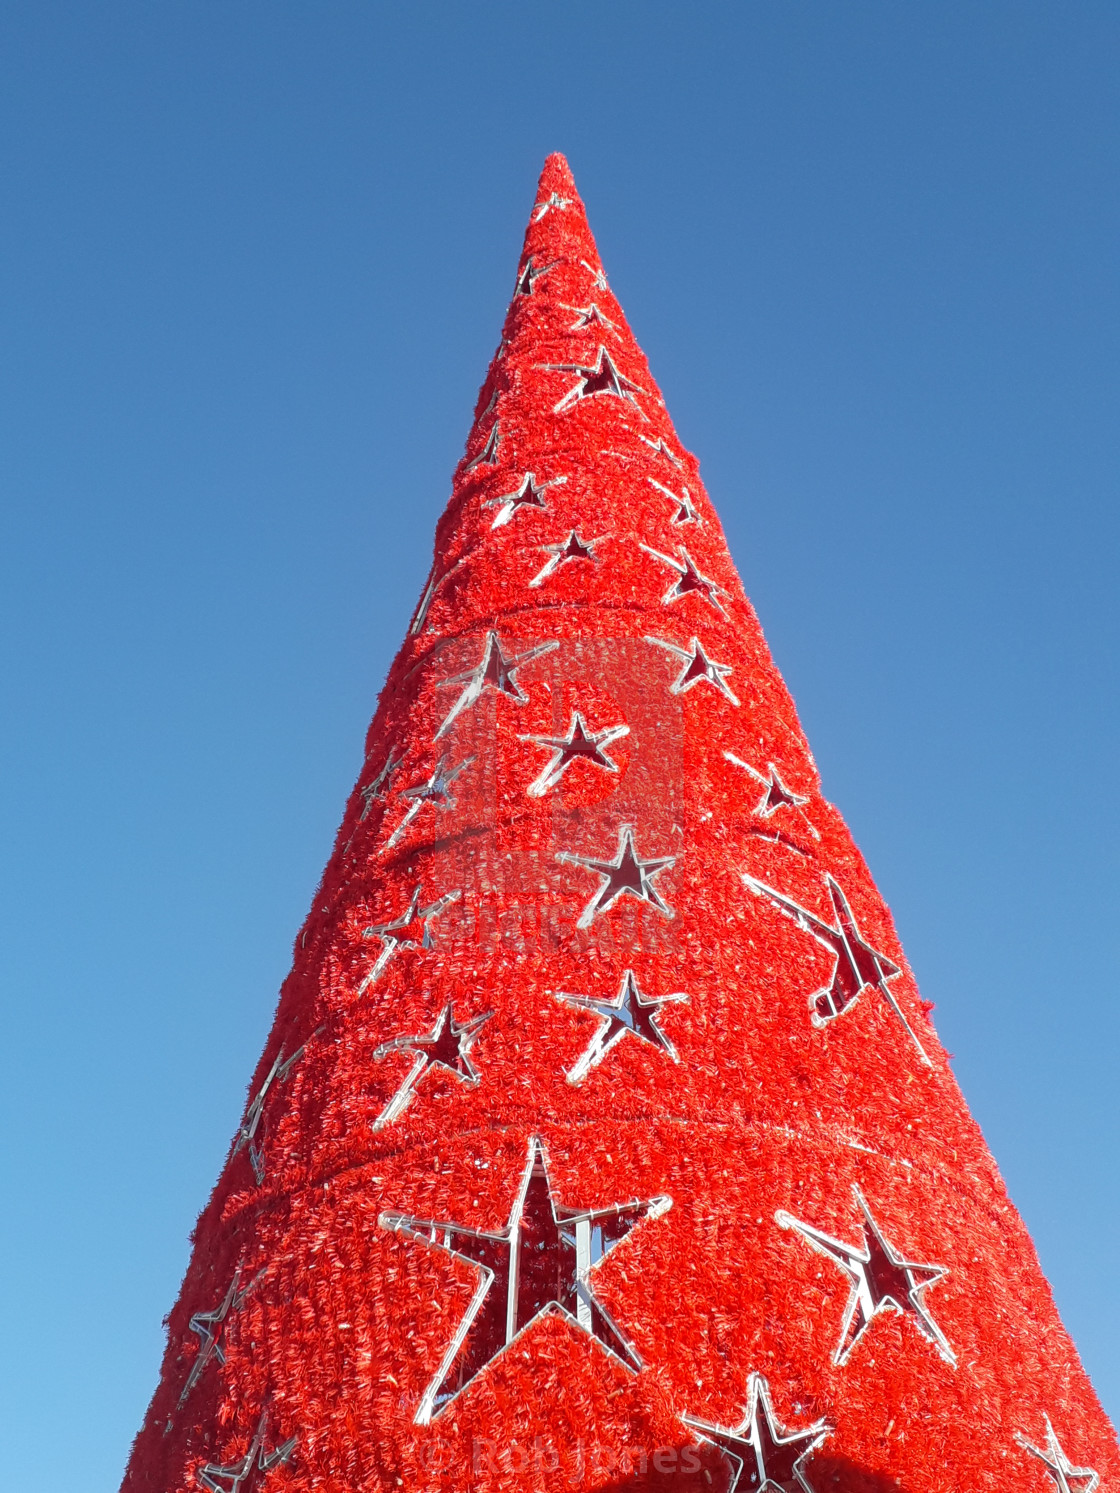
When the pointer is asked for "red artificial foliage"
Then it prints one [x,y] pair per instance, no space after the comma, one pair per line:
[585,763]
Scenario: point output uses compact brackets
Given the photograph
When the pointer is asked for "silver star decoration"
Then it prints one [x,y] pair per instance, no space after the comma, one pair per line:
[698,669]
[661,449]
[489,453]
[377,788]
[529,495]
[881,1280]
[568,749]
[765,1455]
[603,378]
[775,794]
[411,930]
[209,1328]
[250,1125]
[531,274]
[435,790]
[1059,1466]
[685,509]
[553,200]
[572,548]
[425,602]
[689,580]
[590,316]
[630,1014]
[540,1262]
[597,275]
[495,671]
[857,966]
[625,876]
[447,1044]
[240,1476]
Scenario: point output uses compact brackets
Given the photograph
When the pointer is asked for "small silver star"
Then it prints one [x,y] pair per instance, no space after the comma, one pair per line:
[209,1328]
[572,548]
[247,1134]
[881,1280]
[688,579]
[238,1476]
[766,1455]
[410,930]
[597,275]
[775,794]
[531,274]
[661,449]
[489,453]
[434,790]
[376,789]
[698,669]
[529,495]
[686,511]
[495,671]
[447,1044]
[590,316]
[553,200]
[1058,1465]
[568,749]
[603,378]
[625,876]
[631,1013]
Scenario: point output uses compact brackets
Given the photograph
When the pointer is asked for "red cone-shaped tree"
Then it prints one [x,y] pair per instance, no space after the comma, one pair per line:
[602,1138]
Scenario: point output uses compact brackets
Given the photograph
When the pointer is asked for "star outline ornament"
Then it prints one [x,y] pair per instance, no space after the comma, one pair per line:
[495,671]
[868,1297]
[690,581]
[572,548]
[488,455]
[591,315]
[630,1014]
[765,1443]
[857,966]
[209,1328]
[603,378]
[250,1125]
[660,448]
[553,200]
[775,794]
[1058,1465]
[448,1044]
[698,668]
[686,509]
[579,744]
[387,932]
[530,494]
[236,1475]
[589,1234]
[530,273]
[627,875]
[376,789]
[433,790]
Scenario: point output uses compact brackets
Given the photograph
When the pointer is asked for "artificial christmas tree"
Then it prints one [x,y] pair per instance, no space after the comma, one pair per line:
[602,1139]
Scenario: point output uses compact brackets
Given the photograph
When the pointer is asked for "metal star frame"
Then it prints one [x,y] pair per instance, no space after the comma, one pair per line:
[529,276]
[625,876]
[579,744]
[572,548]
[881,1280]
[768,1453]
[689,580]
[489,453]
[1059,1466]
[698,669]
[209,1328]
[603,378]
[661,449]
[540,1262]
[434,790]
[554,200]
[590,316]
[410,930]
[378,787]
[240,1476]
[447,1044]
[529,495]
[775,794]
[686,509]
[247,1133]
[597,275]
[495,671]
[857,966]
[630,1014]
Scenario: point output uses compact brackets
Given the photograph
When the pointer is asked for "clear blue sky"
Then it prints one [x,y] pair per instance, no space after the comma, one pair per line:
[254,261]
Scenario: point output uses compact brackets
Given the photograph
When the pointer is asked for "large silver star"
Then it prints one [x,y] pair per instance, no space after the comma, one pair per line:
[572,548]
[603,378]
[698,669]
[578,744]
[881,1280]
[689,581]
[540,1262]
[447,1044]
[495,671]
[434,790]
[765,1455]
[410,930]
[209,1327]
[630,1014]
[625,876]
[857,964]
[235,1477]
[1059,1466]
